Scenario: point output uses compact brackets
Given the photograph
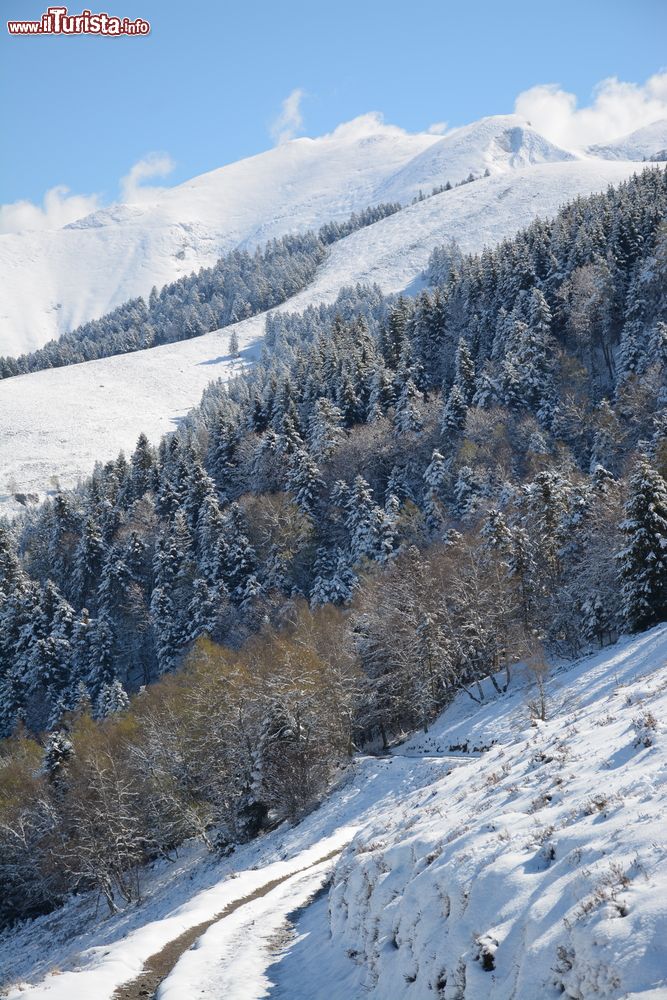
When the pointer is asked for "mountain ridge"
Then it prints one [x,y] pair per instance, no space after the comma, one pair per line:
[56,279]
[153,389]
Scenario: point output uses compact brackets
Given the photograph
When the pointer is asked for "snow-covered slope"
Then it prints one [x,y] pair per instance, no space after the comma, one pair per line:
[59,422]
[532,869]
[537,870]
[56,279]
[647,143]
[496,144]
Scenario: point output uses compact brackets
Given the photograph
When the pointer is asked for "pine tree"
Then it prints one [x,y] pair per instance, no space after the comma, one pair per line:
[199,487]
[101,664]
[58,752]
[202,612]
[111,699]
[406,414]
[143,470]
[435,478]
[364,521]
[238,558]
[454,414]
[467,491]
[10,569]
[643,561]
[400,485]
[464,376]
[335,581]
[167,639]
[222,446]
[304,482]
[325,430]
[88,562]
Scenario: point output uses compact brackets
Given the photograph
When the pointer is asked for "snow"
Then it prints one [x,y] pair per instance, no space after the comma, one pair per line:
[57,279]
[544,857]
[230,959]
[110,965]
[59,422]
[533,869]
[644,144]
[497,144]
[54,280]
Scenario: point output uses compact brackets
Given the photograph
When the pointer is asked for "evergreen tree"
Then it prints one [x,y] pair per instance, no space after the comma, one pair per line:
[454,414]
[101,663]
[325,430]
[202,612]
[335,581]
[143,469]
[58,752]
[111,699]
[165,630]
[465,372]
[406,414]
[643,561]
[435,478]
[88,562]
[304,482]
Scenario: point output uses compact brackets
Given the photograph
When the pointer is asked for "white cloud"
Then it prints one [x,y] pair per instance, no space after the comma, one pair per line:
[616,109]
[290,119]
[58,209]
[133,189]
[437,128]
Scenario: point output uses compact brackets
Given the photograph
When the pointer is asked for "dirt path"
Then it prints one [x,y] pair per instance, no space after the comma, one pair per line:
[158,966]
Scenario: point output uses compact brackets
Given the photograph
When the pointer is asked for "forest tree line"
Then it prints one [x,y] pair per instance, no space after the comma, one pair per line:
[409,498]
[240,285]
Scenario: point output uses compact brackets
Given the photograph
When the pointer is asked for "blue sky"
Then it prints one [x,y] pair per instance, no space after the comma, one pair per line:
[208,82]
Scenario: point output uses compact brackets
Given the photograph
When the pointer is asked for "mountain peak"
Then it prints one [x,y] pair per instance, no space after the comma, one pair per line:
[495,144]
[646,143]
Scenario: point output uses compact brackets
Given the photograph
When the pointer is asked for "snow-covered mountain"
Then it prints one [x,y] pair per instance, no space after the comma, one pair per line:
[530,863]
[647,143]
[496,144]
[95,409]
[54,280]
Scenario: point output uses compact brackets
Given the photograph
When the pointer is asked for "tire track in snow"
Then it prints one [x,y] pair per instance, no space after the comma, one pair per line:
[159,965]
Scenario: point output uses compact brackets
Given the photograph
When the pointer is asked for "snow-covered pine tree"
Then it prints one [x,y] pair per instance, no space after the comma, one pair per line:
[643,561]
[335,580]
[435,477]
[454,414]
[112,698]
[325,430]
[406,413]
[464,376]
[304,481]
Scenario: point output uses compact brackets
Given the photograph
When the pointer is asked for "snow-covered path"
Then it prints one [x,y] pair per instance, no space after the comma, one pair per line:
[125,962]
[72,954]
[230,959]
[534,869]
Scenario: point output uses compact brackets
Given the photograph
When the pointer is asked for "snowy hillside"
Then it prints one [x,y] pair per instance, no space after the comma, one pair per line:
[56,279]
[496,144]
[529,867]
[97,408]
[647,143]
[60,278]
